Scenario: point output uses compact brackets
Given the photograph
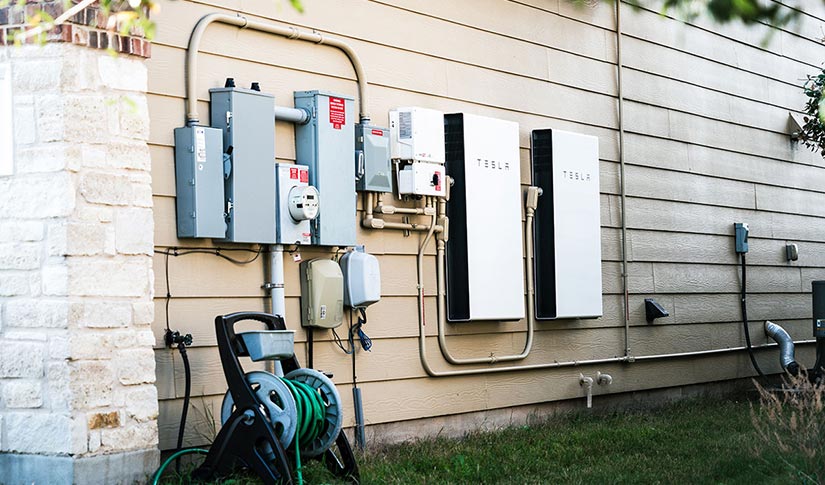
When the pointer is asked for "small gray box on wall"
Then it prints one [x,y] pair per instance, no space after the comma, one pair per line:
[326,145]
[199,182]
[247,120]
[372,159]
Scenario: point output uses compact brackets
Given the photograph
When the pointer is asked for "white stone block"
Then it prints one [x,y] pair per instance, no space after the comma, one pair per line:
[55,280]
[105,314]
[130,436]
[21,359]
[25,126]
[106,188]
[146,338]
[142,403]
[124,276]
[37,432]
[51,126]
[19,256]
[59,347]
[86,116]
[22,393]
[50,157]
[37,313]
[136,366]
[94,156]
[85,239]
[134,231]
[90,345]
[57,384]
[91,384]
[128,154]
[38,196]
[143,313]
[123,73]
[37,76]
[56,239]
[13,283]
[134,117]
[21,231]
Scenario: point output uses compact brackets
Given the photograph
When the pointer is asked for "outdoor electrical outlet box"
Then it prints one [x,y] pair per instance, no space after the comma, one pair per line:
[373,172]
[247,120]
[417,134]
[199,182]
[322,293]
[292,180]
[362,278]
[485,263]
[326,145]
[567,237]
[422,178]
[740,230]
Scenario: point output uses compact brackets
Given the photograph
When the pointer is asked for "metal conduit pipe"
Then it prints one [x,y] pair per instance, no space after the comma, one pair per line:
[786,347]
[282,31]
[442,297]
[622,184]
[371,222]
[292,115]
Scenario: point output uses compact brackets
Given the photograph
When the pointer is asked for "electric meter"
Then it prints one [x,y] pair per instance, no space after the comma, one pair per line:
[303,203]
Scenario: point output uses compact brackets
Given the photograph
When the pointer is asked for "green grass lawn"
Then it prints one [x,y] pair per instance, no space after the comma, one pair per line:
[700,441]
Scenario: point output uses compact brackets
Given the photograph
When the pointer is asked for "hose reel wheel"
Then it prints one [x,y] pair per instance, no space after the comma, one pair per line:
[333,418]
[276,400]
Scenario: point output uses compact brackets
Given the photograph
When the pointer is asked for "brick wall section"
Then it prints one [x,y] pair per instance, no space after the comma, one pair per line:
[89,28]
[77,369]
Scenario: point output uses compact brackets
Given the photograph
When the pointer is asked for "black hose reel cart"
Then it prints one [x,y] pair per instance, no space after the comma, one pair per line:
[269,422]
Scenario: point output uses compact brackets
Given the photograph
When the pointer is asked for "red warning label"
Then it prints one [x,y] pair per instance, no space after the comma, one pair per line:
[337,113]
[304,176]
[377,132]
[293,173]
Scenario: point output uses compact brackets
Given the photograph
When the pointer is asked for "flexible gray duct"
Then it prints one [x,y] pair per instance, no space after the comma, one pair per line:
[786,347]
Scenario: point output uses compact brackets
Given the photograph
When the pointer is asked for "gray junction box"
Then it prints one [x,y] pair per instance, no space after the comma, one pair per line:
[373,171]
[326,145]
[199,182]
[247,120]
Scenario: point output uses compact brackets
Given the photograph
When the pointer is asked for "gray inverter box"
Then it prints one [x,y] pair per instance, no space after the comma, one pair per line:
[373,171]
[199,182]
[326,145]
[247,119]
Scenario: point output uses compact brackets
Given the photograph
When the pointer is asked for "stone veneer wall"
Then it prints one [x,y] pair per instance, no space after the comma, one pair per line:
[77,396]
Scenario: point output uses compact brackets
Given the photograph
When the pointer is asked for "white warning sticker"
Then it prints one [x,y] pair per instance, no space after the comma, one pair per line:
[323,312]
[200,144]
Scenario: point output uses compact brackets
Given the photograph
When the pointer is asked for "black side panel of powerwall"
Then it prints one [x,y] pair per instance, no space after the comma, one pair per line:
[544,262]
[458,292]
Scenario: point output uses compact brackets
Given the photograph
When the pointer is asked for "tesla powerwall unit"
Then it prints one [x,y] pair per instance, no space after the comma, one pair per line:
[567,237]
[485,268]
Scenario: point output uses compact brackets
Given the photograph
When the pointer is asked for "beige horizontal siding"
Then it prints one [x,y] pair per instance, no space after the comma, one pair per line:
[706,145]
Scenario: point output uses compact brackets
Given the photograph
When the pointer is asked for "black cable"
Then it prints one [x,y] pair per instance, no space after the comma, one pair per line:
[743,303]
[214,251]
[168,292]
[186,395]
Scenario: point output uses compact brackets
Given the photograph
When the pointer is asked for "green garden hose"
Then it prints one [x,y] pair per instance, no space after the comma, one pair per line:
[311,414]
[159,472]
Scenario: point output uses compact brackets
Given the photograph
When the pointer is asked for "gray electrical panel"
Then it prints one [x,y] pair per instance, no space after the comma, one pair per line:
[373,171]
[247,120]
[199,182]
[326,145]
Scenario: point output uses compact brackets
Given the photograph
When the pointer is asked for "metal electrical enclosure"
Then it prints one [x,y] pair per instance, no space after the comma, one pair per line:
[373,171]
[322,293]
[567,238]
[485,266]
[326,145]
[247,120]
[362,278]
[290,231]
[199,182]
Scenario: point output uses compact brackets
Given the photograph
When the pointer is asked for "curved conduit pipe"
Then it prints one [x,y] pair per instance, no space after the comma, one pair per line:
[530,210]
[279,30]
[786,347]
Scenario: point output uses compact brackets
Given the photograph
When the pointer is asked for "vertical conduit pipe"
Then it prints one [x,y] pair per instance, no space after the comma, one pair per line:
[622,184]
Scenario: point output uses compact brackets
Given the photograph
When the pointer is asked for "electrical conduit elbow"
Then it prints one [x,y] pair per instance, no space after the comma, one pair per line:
[786,347]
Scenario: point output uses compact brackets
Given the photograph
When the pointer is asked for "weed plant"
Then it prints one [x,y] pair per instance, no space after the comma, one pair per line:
[790,425]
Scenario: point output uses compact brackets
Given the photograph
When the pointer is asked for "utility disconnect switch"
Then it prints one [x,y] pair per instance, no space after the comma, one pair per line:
[741,234]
